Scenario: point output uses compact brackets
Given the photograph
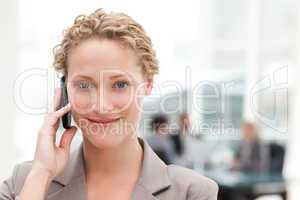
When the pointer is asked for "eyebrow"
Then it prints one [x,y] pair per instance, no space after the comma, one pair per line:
[83,76]
[116,76]
[90,78]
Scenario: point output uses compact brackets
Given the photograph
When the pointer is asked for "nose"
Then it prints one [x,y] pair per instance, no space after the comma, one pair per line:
[104,102]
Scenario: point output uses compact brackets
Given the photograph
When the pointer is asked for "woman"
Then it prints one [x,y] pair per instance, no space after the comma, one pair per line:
[109,64]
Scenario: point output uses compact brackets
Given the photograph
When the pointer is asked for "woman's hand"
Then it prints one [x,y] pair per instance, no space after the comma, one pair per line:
[50,158]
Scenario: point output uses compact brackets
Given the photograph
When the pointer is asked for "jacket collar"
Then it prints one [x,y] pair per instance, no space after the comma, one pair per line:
[152,180]
[74,169]
[154,175]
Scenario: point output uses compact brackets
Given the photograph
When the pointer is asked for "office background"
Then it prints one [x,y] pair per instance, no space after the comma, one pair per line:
[252,48]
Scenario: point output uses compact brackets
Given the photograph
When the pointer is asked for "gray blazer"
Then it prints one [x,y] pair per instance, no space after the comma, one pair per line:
[157,181]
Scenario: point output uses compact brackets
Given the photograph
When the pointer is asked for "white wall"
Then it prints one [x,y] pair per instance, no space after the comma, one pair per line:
[293,147]
[8,66]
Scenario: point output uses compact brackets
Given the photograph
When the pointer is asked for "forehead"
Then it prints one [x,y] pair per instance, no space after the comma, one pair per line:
[106,57]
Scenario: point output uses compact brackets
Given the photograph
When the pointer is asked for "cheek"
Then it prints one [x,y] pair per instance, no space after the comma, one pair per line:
[123,101]
[129,103]
[134,109]
[82,102]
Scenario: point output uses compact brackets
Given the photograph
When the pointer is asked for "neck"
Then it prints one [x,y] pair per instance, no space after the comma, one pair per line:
[125,159]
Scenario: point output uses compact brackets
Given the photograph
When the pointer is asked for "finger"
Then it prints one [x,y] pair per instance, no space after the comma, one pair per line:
[63,110]
[67,137]
[52,118]
[51,121]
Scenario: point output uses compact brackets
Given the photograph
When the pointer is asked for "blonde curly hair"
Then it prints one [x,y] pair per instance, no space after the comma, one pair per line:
[114,26]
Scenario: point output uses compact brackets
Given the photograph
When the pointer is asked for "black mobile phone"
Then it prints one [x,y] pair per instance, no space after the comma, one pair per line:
[66,118]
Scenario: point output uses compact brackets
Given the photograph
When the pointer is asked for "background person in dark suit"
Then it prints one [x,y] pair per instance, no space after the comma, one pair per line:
[251,155]
[160,140]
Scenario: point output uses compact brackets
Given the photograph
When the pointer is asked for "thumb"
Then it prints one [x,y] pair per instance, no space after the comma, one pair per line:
[67,137]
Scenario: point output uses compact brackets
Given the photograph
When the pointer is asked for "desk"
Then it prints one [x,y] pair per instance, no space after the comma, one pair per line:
[238,185]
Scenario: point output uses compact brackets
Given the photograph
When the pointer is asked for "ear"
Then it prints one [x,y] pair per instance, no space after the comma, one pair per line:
[148,86]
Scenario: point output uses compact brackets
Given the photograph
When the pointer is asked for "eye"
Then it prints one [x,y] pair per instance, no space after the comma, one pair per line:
[85,85]
[121,84]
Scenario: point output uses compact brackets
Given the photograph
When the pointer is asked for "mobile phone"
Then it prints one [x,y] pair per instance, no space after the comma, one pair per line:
[66,118]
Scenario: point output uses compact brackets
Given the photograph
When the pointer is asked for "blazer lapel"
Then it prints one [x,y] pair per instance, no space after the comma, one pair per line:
[72,179]
[140,192]
[74,190]
[154,177]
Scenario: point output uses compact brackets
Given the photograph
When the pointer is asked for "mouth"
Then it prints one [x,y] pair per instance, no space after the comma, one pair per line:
[104,122]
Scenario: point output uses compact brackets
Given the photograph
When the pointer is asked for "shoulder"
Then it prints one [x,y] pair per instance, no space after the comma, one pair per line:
[195,185]
[20,172]
[15,182]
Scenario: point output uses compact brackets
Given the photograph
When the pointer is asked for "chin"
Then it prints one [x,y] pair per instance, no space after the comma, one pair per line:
[103,141]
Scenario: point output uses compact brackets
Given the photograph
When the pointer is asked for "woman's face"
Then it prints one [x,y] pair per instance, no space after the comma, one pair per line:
[104,82]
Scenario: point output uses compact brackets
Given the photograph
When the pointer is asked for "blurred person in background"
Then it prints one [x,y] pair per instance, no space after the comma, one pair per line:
[181,141]
[251,154]
[159,139]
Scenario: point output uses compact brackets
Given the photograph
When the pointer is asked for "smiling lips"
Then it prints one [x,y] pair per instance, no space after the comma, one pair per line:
[105,121]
